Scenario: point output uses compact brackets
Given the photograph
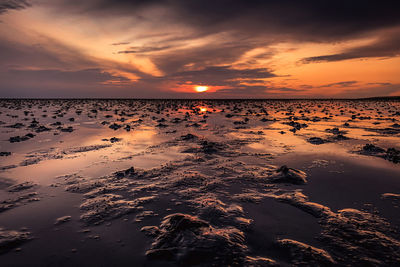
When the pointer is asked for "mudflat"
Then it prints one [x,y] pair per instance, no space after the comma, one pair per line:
[198,182]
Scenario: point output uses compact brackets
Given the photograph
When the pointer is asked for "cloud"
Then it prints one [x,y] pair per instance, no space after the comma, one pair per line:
[381,84]
[58,83]
[387,45]
[216,52]
[341,84]
[80,76]
[284,89]
[120,43]
[378,90]
[302,20]
[144,49]
[50,54]
[220,75]
[6,5]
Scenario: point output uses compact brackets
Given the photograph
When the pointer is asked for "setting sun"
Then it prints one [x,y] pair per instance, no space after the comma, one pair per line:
[201,89]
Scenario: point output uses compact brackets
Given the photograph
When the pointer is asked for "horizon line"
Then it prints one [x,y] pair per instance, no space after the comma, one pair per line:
[197,99]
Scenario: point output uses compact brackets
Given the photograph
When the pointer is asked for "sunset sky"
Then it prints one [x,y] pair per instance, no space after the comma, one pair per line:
[199,48]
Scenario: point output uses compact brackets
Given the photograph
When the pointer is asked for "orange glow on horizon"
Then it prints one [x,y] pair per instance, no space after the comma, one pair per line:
[201,88]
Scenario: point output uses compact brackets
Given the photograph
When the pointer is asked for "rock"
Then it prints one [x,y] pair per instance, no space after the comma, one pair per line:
[316,140]
[334,131]
[260,261]
[20,187]
[16,125]
[363,238]
[188,240]
[216,212]
[144,214]
[69,129]
[126,173]
[16,139]
[17,201]
[392,196]
[370,148]
[114,126]
[151,231]
[393,155]
[357,237]
[161,125]
[115,139]
[210,147]
[288,175]
[30,135]
[10,239]
[188,137]
[340,137]
[106,207]
[303,254]
[62,219]
[42,128]
[299,200]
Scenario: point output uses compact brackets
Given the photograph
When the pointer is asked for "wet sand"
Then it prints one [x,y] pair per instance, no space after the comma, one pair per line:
[175,182]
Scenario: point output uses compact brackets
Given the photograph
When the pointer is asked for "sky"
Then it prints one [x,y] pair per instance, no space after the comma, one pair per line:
[199,48]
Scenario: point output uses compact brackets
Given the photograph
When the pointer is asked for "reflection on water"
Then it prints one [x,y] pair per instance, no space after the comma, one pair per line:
[99,156]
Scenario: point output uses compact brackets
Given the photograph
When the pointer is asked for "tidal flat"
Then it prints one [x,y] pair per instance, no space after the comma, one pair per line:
[199,182]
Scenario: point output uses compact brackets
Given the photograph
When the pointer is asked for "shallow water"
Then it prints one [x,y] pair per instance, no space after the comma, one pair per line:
[216,163]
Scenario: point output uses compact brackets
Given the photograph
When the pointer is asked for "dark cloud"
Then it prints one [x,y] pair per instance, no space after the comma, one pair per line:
[6,5]
[285,89]
[201,57]
[87,75]
[143,49]
[58,83]
[13,54]
[254,81]
[121,43]
[381,84]
[386,46]
[303,20]
[220,75]
[341,84]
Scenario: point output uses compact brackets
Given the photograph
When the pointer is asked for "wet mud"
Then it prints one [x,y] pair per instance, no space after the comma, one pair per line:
[209,183]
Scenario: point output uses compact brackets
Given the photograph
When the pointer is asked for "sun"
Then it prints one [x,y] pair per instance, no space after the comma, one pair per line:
[201,88]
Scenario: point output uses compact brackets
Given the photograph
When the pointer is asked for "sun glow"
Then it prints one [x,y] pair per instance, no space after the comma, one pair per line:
[201,89]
